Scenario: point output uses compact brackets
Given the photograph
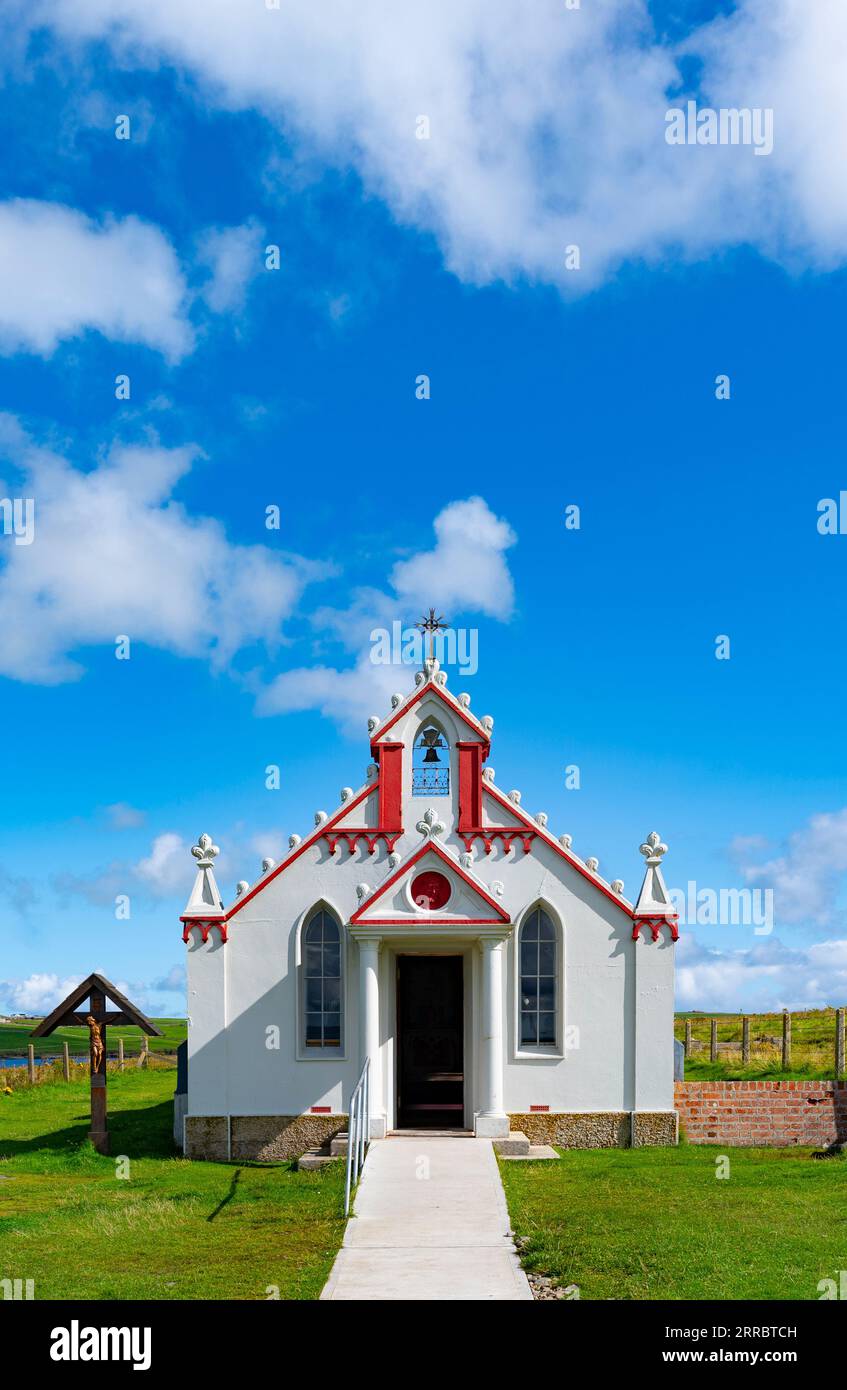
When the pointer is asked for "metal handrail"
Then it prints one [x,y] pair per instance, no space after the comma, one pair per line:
[357,1135]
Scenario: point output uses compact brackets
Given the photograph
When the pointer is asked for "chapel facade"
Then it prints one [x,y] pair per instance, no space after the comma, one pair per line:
[493,979]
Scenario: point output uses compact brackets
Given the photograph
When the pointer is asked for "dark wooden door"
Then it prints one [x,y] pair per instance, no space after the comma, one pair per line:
[430,1031]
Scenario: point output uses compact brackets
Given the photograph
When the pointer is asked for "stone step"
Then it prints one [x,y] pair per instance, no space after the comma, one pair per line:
[315,1158]
[535,1151]
[513,1145]
[338,1146]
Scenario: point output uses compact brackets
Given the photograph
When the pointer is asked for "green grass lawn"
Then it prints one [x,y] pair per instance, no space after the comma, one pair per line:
[14,1038]
[658,1223]
[174,1229]
[812,1047]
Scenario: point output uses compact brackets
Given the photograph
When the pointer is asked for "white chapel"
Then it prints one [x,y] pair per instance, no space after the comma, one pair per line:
[493,978]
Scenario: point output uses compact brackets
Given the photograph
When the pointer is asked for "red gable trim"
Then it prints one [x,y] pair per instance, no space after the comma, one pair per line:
[429,847]
[301,849]
[452,705]
[431,921]
[554,845]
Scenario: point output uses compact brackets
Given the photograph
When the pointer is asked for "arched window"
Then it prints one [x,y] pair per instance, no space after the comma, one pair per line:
[322,981]
[431,763]
[538,982]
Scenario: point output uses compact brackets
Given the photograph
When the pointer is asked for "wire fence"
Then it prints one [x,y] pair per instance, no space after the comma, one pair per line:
[805,1042]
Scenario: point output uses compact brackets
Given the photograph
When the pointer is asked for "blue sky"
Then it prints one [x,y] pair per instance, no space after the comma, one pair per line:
[296,387]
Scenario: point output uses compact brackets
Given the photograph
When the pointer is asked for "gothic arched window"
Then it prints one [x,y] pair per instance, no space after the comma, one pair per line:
[431,763]
[538,981]
[322,978]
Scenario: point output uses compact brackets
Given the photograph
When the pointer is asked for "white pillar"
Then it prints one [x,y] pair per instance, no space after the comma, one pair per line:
[369,1032]
[492,1120]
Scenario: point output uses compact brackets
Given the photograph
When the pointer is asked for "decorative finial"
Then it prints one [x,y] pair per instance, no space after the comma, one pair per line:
[373,723]
[487,723]
[267,865]
[488,774]
[541,819]
[515,796]
[321,817]
[241,887]
[205,899]
[465,700]
[566,841]
[617,886]
[393,859]
[346,793]
[204,851]
[294,841]
[362,891]
[430,825]
[592,864]
[498,888]
[653,849]
[396,700]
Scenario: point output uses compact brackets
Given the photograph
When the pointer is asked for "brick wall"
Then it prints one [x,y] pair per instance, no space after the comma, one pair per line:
[766,1113]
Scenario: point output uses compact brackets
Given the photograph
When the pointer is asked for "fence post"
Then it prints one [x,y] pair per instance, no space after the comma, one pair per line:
[786,1040]
[30,1053]
[145,1051]
[66,1062]
[120,1054]
[839,1043]
[713,1045]
[745,1040]
[688,1037]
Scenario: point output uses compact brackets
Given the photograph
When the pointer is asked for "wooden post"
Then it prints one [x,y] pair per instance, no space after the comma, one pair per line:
[30,1053]
[120,1054]
[745,1040]
[839,1043]
[97,1031]
[145,1050]
[66,1062]
[713,1049]
[688,1037]
[786,1040]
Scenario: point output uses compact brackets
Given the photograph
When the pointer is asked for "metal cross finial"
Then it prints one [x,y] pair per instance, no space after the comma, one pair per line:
[431,625]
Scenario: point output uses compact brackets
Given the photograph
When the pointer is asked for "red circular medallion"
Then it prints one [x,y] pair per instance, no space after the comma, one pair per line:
[430,890]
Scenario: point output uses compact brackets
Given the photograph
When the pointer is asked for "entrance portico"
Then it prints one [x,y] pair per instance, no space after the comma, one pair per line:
[381,952]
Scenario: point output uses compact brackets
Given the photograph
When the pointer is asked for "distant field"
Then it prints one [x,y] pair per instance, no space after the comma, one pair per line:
[812,1046]
[14,1038]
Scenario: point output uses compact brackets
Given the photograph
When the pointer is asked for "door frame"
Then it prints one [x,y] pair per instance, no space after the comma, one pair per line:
[469,953]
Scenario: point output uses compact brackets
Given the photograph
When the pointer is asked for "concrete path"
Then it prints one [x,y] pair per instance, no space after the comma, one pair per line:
[429,1222]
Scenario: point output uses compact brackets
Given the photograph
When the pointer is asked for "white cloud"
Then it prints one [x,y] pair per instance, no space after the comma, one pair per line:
[114,554]
[62,274]
[466,568]
[762,979]
[165,871]
[234,257]
[466,571]
[806,874]
[38,994]
[546,128]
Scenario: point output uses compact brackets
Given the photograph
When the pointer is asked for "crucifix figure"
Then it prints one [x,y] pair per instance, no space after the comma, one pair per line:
[98,1047]
[431,625]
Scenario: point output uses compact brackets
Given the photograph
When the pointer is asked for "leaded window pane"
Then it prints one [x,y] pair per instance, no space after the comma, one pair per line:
[322,981]
[538,980]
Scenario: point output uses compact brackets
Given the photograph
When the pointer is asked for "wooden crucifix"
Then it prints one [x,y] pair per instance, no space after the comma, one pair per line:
[98,990]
